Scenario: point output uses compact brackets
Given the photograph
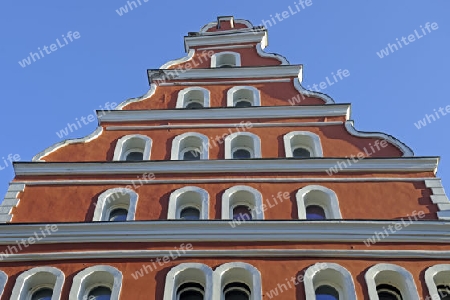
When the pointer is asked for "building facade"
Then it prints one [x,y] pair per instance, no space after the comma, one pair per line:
[226,181]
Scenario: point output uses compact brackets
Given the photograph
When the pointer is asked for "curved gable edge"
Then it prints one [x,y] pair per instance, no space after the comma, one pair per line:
[407,152]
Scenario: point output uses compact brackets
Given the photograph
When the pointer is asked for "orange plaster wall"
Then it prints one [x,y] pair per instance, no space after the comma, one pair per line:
[273,272]
[357,200]
[336,142]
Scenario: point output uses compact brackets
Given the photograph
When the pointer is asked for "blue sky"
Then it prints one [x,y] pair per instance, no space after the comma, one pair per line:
[108,62]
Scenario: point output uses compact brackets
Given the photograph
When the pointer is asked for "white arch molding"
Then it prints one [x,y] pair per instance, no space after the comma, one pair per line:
[188,141]
[247,196]
[188,272]
[116,198]
[177,202]
[130,143]
[434,276]
[318,195]
[246,140]
[92,277]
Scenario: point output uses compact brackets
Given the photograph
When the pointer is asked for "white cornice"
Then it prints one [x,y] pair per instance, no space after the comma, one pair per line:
[338,231]
[260,112]
[416,164]
[281,71]
[322,165]
[226,38]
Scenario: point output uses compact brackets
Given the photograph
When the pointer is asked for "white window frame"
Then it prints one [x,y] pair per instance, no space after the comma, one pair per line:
[182,102]
[105,206]
[255,204]
[430,279]
[240,273]
[330,204]
[182,274]
[3,280]
[330,274]
[81,285]
[121,152]
[312,143]
[396,276]
[175,207]
[216,58]
[32,280]
[177,152]
[229,149]
[256,101]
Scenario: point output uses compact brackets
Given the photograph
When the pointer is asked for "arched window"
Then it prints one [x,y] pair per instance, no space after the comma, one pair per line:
[302,144]
[317,202]
[225,59]
[134,147]
[41,283]
[242,202]
[189,203]
[3,280]
[243,96]
[116,205]
[437,279]
[97,283]
[328,281]
[237,281]
[388,281]
[242,145]
[189,281]
[193,97]
[190,146]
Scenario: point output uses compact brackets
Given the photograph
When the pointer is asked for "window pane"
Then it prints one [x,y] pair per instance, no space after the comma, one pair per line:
[237,291]
[100,293]
[118,215]
[191,155]
[43,294]
[194,105]
[243,103]
[241,154]
[388,292]
[301,153]
[135,156]
[444,291]
[190,291]
[226,66]
[315,212]
[190,213]
[326,292]
[242,212]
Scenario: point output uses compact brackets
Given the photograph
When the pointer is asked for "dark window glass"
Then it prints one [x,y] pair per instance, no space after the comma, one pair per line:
[43,294]
[444,292]
[118,215]
[326,292]
[190,291]
[194,105]
[226,66]
[135,156]
[242,212]
[191,155]
[315,212]
[190,213]
[241,154]
[388,292]
[237,291]
[100,293]
[243,103]
[301,153]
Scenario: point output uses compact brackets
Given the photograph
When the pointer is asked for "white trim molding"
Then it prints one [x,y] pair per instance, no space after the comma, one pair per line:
[230,37]
[131,143]
[435,276]
[98,131]
[114,199]
[10,201]
[439,197]
[243,140]
[321,196]
[242,195]
[3,280]
[92,277]
[321,165]
[307,93]
[187,273]
[185,97]
[190,141]
[178,61]
[393,275]
[237,272]
[35,279]
[225,113]
[147,95]
[241,93]
[222,58]
[205,28]
[407,152]
[332,275]
[189,196]
[260,50]
[304,139]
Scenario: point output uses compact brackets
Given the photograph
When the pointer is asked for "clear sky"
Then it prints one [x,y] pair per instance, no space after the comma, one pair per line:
[106,61]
